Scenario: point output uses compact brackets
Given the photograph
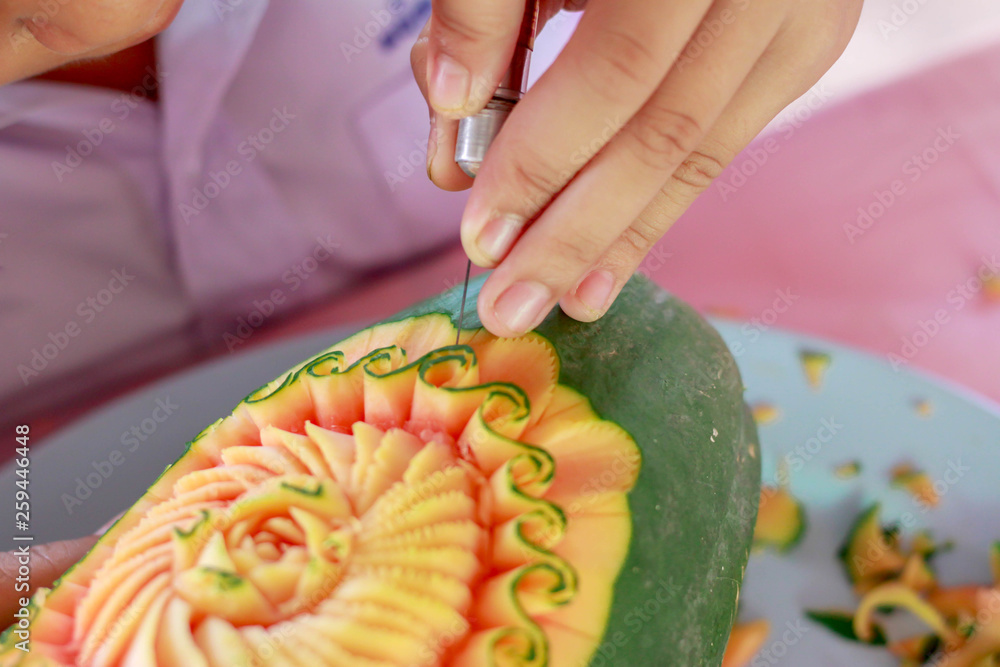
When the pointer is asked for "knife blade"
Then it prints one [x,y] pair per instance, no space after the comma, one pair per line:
[461,310]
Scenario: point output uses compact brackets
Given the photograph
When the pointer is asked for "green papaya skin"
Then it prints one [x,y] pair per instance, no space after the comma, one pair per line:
[656,367]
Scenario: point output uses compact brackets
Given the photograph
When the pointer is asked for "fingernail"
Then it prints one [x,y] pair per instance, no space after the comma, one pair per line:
[432,146]
[497,237]
[594,291]
[449,89]
[520,308]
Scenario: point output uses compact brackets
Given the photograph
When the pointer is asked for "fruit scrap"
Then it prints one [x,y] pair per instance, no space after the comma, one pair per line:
[924,544]
[898,595]
[848,470]
[983,647]
[917,482]
[871,553]
[991,288]
[745,641]
[781,520]
[923,407]
[957,603]
[917,575]
[765,413]
[842,624]
[917,649]
[815,365]
[964,620]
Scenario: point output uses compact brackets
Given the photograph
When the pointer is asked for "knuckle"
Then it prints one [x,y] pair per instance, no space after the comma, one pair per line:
[565,255]
[534,179]
[698,171]
[664,137]
[630,249]
[639,238]
[621,62]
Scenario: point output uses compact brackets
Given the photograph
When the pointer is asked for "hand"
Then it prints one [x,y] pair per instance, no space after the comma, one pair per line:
[40,35]
[48,562]
[645,106]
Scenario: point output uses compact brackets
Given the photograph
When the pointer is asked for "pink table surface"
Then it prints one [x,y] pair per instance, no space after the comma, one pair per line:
[879,216]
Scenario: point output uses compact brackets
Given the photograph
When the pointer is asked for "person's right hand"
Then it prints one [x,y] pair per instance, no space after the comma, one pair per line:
[643,108]
[48,562]
[45,34]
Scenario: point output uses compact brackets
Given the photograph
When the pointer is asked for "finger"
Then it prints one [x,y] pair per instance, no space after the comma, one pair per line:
[442,169]
[606,197]
[71,29]
[441,166]
[42,41]
[617,57]
[746,115]
[469,48]
[47,563]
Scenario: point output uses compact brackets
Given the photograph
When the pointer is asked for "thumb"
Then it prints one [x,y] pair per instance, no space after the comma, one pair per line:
[45,563]
[469,48]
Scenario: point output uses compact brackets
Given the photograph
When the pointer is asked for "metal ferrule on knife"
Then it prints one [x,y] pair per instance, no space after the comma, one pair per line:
[476,133]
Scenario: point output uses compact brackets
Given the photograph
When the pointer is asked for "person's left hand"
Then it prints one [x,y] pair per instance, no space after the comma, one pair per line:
[40,35]
[47,563]
[647,103]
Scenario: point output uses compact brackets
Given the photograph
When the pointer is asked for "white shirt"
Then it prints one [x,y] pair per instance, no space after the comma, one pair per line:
[286,159]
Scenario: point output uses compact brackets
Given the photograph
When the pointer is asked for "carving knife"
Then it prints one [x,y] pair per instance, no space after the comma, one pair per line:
[476,133]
